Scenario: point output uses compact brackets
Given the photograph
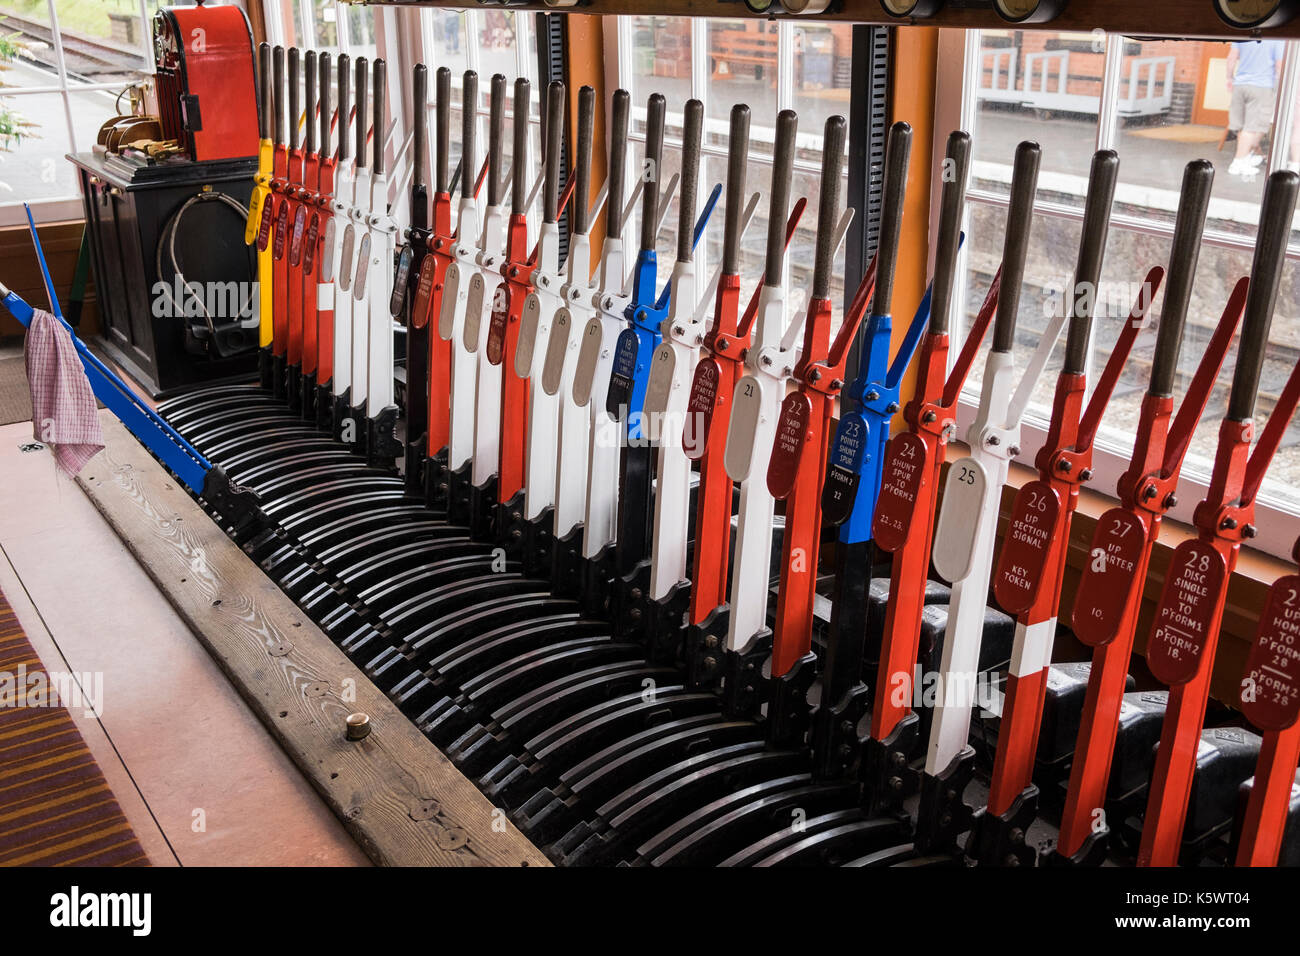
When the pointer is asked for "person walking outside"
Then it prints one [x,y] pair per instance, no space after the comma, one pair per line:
[1254,73]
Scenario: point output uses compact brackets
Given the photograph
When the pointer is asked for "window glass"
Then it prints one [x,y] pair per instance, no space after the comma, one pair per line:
[445,45]
[742,65]
[1039,85]
[660,52]
[823,63]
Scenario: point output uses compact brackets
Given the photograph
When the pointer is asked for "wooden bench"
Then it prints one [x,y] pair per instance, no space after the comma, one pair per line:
[740,46]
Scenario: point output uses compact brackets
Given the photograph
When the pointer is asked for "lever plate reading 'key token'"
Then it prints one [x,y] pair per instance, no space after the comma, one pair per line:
[1022,565]
[1185,614]
[903,477]
[1270,695]
[954,533]
[1108,578]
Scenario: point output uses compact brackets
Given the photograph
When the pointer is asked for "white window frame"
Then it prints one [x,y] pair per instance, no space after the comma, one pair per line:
[956,105]
[63,208]
[620,72]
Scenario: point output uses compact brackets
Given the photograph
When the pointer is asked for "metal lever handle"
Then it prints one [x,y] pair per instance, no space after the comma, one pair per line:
[656,110]
[787,124]
[897,159]
[737,166]
[345,105]
[1092,251]
[519,199]
[264,106]
[442,120]
[362,83]
[951,206]
[381,115]
[295,98]
[420,94]
[554,146]
[496,137]
[277,94]
[309,82]
[1015,247]
[1198,179]
[582,159]
[692,135]
[326,110]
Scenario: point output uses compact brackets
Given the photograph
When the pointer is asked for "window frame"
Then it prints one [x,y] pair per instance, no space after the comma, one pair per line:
[956,106]
[63,208]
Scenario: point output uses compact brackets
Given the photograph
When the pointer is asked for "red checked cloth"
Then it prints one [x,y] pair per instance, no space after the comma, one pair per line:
[63,405]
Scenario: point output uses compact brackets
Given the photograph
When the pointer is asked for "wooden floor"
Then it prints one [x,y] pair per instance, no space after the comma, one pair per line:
[199,778]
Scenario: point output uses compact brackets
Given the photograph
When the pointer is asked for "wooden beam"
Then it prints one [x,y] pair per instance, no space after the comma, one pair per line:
[397,794]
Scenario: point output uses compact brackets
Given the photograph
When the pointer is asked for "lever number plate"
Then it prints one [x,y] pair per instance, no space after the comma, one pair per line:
[450,293]
[1022,565]
[556,350]
[401,279]
[423,293]
[965,495]
[848,455]
[526,344]
[700,404]
[299,230]
[327,252]
[622,374]
[281,230]
[746,415]
[787,449]
[662,366]
[313,239]
[1185,617]
[474,310]
[264,228]
[584,379]
[903,476]
[495,346]
[1270,692]
[345,257]
[363,269]
[1108,578]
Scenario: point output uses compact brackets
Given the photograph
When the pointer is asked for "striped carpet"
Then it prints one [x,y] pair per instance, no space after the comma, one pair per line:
[55,806]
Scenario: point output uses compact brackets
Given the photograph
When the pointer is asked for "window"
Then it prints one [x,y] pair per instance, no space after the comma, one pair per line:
[487,42]
[67,65]
[1159,104]
[769,65]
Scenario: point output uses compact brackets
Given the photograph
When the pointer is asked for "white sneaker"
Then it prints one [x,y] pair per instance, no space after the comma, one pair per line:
[1255,160]
[1238,168]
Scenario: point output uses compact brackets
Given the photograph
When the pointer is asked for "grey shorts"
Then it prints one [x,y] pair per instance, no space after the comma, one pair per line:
[1251,109]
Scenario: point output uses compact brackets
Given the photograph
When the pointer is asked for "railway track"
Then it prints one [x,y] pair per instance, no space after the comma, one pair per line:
[87,58]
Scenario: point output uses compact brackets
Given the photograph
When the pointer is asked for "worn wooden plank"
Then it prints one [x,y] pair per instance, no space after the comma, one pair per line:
[402,800]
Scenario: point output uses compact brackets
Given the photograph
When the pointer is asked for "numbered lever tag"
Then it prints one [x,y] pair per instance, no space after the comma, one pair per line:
[363,269]
[401,278]
[299,230]
[1270,691]
[474,310]
[746,416]
[313,241]
[557,350]
[622,375]
[1109,577]
[281,231]
[904,475]
[495,346]
[844,471]
[327,251]
[663,364]
[526,345]
[254,221]
[964,499]
[1186,613]
[701,403]
[267,220]
[584,378]
[345,257]
[450,293]
[1022,565]
[787,448]
[424,292]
